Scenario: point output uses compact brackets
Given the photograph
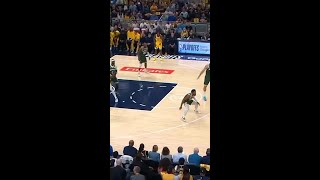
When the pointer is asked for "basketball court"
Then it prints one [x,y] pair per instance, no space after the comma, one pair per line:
[148,108]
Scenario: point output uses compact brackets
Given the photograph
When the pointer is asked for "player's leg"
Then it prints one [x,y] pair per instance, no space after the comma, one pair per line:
[196,105]
[135,47]
[185,111]
[132,46]
[112,89]
[115,84]
[155,52]
[128,46]
[160,52]
[160,49]
[206,82]
[145,67]
[140,65]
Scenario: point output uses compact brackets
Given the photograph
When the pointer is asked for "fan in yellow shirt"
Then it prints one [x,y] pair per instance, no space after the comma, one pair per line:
[184,33]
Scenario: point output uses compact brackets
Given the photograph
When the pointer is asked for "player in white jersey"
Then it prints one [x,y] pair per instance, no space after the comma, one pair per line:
[112,89]
[189,99]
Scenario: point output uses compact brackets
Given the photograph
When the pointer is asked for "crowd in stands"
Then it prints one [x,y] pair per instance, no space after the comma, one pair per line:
[171,18]
[140,164]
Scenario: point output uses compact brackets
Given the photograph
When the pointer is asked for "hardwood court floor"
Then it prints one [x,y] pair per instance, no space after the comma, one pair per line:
[162,125]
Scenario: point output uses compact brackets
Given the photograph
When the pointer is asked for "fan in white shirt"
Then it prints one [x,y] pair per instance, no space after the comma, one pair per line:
[177,156]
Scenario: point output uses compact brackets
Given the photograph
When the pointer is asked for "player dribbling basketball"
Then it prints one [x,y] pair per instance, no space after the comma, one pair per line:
[189,99]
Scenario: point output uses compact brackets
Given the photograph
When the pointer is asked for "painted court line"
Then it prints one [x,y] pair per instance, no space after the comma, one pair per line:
[155,132]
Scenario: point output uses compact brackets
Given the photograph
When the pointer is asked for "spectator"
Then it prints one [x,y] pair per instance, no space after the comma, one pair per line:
[163,165]
[189,27]
[126,161]
[130,150]
[206,159]
[111,150]
[127,16]
[186,174]
[139,6]
[114,14]
[137,175]
[171,8]
[132,7]
[122,40]
[168,25]
[135,24]
[154,155]
[142,24]
[118,173]
[172,44]
[179,167]
[150,44]
[114,158]
[184,14]
[203,18]
[169,174]
[119,2]
[152,29]
[143,38]
[184,33]
[143,152]
[195,158]
[192,14]
[179,155]
[137,161]
[166,154]
[191,35]
[146,9]
[154,8]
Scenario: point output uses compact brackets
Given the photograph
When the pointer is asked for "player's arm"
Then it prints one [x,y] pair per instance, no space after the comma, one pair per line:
[195,100]
[205,68]
[185,99]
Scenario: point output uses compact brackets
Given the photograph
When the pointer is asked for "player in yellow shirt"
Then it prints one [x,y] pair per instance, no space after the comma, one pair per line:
[136,42]
[116,40]
[158,43]
[130,37]
[112,35]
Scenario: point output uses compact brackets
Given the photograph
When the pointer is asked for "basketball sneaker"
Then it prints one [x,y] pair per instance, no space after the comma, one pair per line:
[183,119]
[116,100]
[204,98]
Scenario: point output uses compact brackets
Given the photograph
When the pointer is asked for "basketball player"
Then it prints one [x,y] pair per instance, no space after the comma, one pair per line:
[112,89]
[158,44]
[143,51]
[206,79]
[113,74]
[189,99]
